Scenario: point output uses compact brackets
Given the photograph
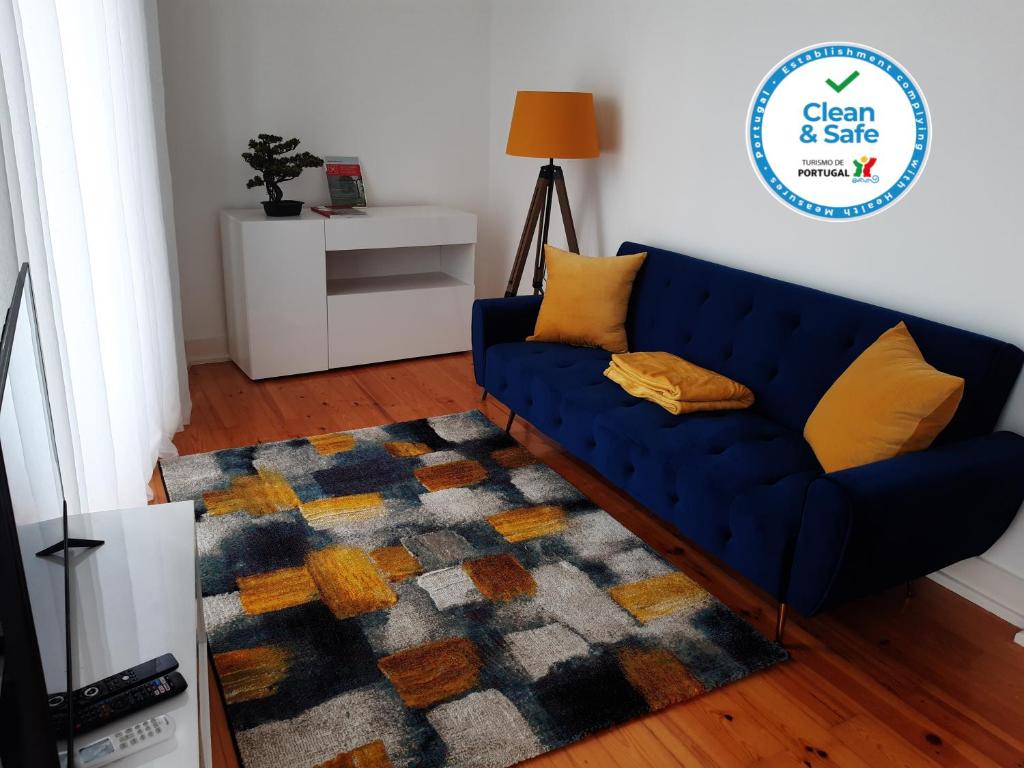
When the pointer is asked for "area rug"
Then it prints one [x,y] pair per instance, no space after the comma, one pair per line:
[430,594]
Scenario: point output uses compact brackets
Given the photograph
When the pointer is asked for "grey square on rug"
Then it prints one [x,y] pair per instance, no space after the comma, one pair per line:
[429,594]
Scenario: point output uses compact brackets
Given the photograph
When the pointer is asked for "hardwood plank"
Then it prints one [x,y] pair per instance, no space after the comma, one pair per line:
[223,747]
[879,744]
[877,683]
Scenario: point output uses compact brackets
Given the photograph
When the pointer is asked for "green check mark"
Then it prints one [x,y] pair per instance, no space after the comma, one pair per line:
[846,82]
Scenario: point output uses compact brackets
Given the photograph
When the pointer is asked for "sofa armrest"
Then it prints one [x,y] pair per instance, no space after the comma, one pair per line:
[872,527]
[496,321]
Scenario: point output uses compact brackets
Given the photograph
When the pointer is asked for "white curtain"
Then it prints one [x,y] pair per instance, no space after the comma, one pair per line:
[88,205]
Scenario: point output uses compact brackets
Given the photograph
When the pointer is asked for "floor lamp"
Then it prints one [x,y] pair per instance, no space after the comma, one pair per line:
[548,124]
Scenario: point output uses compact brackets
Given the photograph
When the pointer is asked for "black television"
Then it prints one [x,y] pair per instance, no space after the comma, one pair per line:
[31,737]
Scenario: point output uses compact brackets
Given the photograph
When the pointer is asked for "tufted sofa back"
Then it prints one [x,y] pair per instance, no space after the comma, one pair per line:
[788,343]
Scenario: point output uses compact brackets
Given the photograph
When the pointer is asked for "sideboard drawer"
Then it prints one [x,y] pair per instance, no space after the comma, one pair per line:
[372,323]
[400,227]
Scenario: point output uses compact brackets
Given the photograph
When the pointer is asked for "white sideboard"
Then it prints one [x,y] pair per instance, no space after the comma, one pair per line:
[133,599]
[308,293]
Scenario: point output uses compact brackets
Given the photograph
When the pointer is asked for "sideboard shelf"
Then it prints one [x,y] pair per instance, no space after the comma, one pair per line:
[415,281]
[308,293]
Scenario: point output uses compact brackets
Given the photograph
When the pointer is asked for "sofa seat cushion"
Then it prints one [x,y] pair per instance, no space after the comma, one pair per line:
[732,481]
[533,379]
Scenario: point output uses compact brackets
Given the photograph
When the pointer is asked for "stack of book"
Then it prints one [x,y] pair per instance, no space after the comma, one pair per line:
[336,210]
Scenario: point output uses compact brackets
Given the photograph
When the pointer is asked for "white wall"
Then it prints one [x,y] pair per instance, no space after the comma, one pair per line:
[673,81]
[400,83]
[423,91]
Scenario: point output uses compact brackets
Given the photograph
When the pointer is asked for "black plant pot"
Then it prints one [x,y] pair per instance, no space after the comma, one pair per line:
[282,207]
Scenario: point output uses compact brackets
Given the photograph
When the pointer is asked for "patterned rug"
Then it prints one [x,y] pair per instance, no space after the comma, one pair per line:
[429,594]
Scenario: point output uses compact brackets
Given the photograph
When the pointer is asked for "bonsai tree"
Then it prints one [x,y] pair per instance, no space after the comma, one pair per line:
[269,155]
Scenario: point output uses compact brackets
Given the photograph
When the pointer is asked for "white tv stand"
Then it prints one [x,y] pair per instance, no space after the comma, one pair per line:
[308,293]
[133,599]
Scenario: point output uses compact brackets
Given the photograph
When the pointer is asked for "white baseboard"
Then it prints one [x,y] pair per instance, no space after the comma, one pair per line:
[993,588]
[199,351]
[1019,639]
[202,360]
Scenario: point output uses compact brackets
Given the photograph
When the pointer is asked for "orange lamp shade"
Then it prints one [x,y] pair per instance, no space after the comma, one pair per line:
[553,124]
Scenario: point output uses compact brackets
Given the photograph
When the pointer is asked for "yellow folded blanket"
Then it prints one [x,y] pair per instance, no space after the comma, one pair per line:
[675,384]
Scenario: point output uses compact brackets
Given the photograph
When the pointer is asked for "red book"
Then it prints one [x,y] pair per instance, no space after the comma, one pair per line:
[336,210]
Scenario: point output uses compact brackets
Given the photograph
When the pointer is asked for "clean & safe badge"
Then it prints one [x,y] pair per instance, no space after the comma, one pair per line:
[838,131]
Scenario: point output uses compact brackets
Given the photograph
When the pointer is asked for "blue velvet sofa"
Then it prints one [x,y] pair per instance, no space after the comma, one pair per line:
[744,485]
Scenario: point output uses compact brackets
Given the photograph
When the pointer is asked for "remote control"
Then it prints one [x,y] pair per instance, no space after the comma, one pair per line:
[130,700]
[108,686]
[125,742]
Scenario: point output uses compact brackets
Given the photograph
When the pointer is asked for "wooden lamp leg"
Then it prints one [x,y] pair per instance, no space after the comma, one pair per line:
[548,173]
[550,181]
[563,205]
[540,192]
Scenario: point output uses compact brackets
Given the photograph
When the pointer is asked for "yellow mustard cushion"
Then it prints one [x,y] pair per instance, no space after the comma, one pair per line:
[677,385]
[888,402]
[586,299]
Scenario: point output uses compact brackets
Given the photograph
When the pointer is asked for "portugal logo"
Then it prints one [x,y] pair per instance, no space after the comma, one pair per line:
[838,131]
[862,169]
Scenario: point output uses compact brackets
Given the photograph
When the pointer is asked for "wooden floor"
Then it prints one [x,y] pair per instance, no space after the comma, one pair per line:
[935,681]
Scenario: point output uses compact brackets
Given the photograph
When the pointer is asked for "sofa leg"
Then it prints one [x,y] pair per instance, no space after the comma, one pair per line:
[908,595]
[511,418]
[483,395]
[780,623]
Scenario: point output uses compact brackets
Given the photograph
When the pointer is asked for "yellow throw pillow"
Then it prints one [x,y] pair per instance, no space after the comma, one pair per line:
[586,299]
[888,402]
[677,385]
